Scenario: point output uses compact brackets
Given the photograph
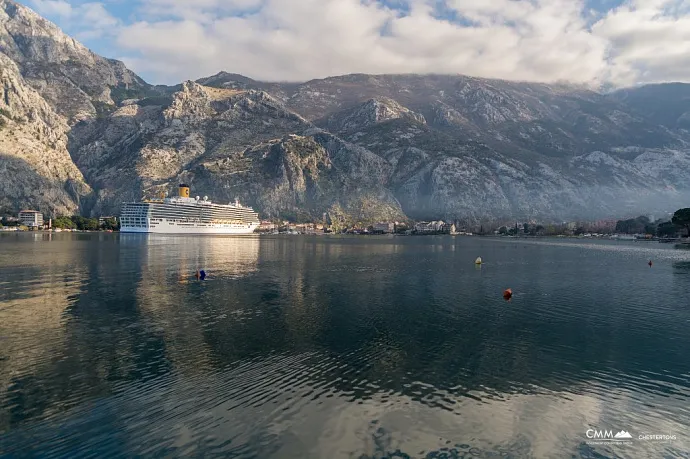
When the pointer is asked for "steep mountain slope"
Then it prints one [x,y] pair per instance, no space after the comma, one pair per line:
[555,120]
[303,177]
[35,167]
[226,142]
[498,159]
[77,83]
[665,104]
[462,146]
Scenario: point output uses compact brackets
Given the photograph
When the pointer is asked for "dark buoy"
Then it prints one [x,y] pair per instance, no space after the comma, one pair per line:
[650,263]
[507,294]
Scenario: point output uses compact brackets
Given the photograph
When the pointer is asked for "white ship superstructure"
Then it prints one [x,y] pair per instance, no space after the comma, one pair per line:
[185,215]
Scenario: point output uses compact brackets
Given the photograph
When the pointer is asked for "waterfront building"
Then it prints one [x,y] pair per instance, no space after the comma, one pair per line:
[385,228]
[31,218]
[448,228]
[430,227]
[267,226]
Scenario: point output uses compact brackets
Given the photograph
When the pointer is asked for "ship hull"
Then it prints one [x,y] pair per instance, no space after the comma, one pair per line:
[165,227]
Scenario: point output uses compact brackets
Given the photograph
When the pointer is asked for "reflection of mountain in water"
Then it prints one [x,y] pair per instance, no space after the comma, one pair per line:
[33,305]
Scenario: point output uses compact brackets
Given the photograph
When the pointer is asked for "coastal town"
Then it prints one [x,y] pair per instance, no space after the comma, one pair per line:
[671,227]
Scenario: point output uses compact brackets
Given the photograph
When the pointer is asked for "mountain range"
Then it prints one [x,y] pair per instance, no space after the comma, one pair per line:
[80,133]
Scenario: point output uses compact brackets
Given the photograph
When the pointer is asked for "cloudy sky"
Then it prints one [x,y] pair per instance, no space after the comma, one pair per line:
[600,42]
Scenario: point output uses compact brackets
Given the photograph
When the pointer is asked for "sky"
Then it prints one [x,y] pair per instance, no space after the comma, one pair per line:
[612,43]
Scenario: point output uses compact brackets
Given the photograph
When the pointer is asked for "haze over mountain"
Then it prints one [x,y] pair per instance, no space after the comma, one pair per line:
[79,132]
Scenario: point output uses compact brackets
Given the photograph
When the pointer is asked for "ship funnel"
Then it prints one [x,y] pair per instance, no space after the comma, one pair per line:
[184,191]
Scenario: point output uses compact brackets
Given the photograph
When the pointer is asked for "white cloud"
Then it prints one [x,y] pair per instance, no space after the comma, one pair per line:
[539,40]
[88,20]
[649,41]
[305,39]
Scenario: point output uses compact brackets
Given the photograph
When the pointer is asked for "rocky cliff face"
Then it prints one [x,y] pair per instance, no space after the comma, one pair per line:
[359,148]
[77,83]
[303,177]
[35,167]
[145,145]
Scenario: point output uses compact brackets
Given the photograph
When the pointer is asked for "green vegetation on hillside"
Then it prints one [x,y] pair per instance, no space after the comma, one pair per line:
[76,222]
[64,223]
[111,224]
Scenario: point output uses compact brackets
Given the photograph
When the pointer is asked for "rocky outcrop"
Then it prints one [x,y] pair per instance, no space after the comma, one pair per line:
[304,178]
[370,113]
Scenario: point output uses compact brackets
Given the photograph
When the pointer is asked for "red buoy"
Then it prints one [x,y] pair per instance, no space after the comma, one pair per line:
[507,294]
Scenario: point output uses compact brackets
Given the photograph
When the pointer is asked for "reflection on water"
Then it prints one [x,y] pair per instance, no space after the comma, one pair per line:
[222,257]
[339,347]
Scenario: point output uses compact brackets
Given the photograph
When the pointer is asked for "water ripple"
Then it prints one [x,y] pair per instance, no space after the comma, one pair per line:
[318,347]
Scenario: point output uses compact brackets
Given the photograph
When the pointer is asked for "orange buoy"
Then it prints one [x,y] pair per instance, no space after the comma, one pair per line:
[507,294]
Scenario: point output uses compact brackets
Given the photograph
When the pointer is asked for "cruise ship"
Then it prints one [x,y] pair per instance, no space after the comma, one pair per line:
[185,215]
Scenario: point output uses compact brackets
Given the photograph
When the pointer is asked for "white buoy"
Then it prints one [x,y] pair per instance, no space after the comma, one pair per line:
[478,261]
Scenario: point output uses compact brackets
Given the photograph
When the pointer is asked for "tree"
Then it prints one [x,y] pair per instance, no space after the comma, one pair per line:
[632,226]
[7,222]
[111,224]
[650,228]
[63,223]
[85,224]
[503,230]
[667,229]
[682,218]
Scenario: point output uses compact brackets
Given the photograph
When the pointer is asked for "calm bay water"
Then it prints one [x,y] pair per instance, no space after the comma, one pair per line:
[329,347]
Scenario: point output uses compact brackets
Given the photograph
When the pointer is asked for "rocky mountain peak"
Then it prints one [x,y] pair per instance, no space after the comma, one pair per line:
[228,80]
[27,37]
[76,82]
[382,109]
[373,111]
